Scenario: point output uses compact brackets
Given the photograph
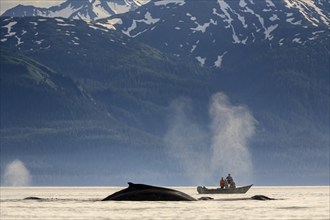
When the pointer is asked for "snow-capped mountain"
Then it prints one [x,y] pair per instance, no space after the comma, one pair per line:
[33,34]
[78,9]
[210,30]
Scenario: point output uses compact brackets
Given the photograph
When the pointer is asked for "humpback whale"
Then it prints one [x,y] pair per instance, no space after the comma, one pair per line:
[142,192]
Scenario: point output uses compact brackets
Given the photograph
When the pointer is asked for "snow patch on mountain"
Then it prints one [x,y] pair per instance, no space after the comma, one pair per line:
[111,22]
[167,2]
[148,19]
[307,8]
[202,27]
[9,28]
[269,3]
[201,60]
[101,28]
[218,62]
[274,18]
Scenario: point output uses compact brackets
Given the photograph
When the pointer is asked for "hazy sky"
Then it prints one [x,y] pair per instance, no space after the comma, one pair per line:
[6,4]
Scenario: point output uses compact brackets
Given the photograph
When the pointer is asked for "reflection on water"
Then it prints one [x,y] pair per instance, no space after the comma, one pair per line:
[84,203]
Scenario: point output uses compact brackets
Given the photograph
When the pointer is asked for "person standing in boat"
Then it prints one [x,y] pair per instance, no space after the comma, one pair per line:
[222,183]
[229,179]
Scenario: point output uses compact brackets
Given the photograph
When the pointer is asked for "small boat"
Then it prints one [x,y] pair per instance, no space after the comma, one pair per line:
[237,190]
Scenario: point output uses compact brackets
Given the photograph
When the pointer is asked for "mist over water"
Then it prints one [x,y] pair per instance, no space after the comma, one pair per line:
[206,155]
[186,141]
[16,174]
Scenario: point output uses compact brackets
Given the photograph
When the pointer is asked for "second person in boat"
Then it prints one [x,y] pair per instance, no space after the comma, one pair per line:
[222,183]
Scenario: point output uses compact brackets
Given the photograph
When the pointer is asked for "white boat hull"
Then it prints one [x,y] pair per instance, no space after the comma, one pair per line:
[237,190]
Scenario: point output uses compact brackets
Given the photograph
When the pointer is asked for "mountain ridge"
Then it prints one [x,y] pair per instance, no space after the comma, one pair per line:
[82,9]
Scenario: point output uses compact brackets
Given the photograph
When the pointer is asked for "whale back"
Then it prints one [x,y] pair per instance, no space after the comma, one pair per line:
[143,192]
[261,197]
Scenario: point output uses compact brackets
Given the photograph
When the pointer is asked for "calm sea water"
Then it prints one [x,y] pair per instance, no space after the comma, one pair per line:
[83,203]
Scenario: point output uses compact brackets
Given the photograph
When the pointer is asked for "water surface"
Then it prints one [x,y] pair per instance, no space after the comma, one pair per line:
[83,203]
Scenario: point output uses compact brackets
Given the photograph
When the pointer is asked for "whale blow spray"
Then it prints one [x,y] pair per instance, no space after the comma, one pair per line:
[232,127]
[185,141]
[16,174]
[206,155]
